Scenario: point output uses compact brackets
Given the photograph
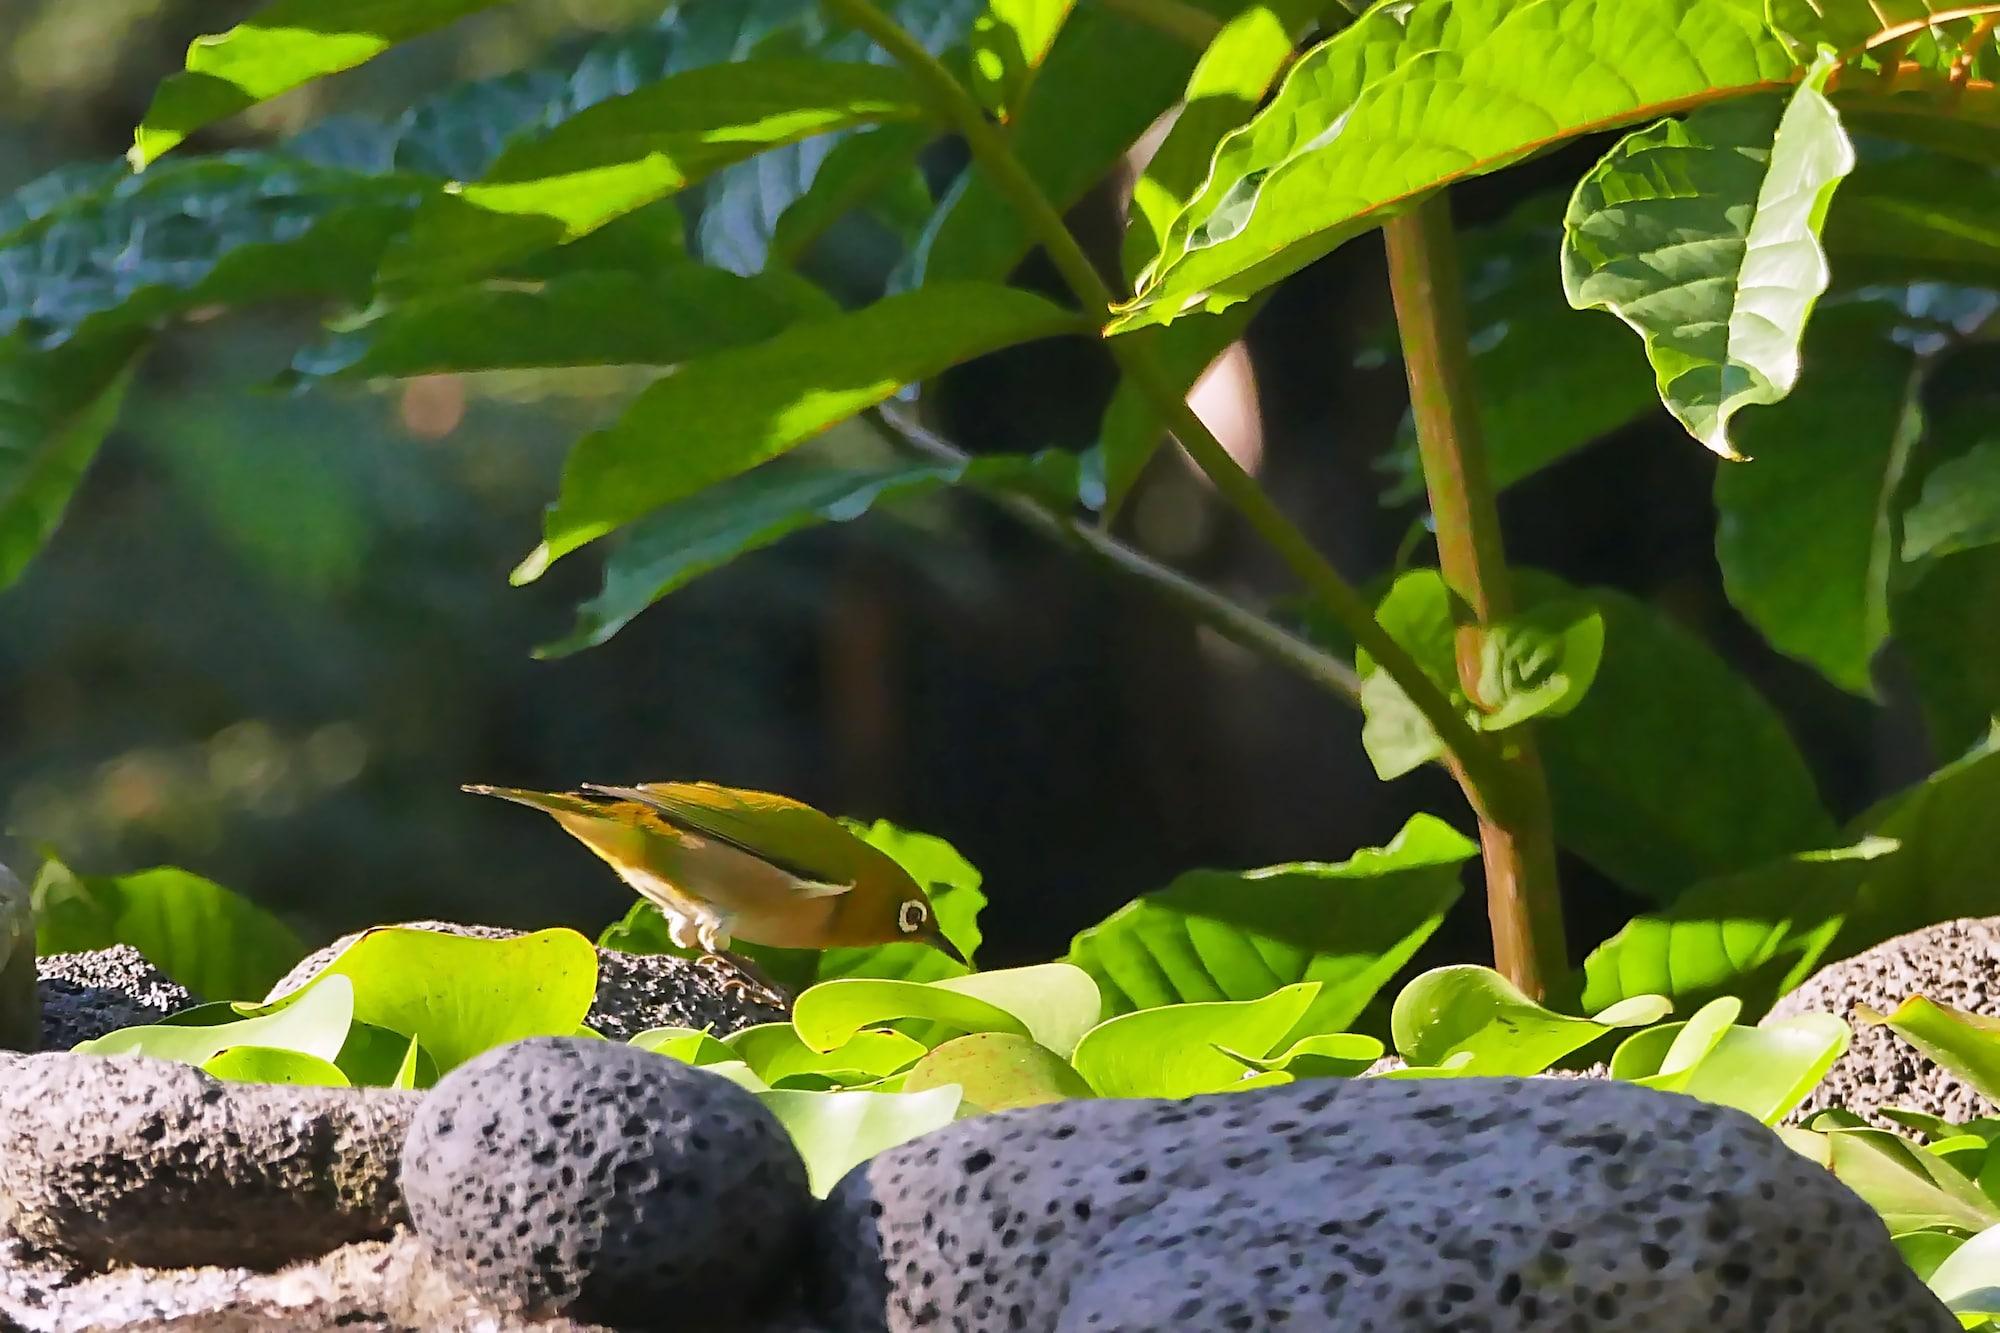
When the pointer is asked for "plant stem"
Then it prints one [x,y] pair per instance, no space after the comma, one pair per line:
[1517,836]
[1475,759]
[1196,600]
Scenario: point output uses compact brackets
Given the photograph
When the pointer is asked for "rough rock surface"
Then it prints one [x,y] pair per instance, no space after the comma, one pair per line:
[1505,1205]
[86,995]
[137,1161]
[1955,963]
[634,991]
[592,1179]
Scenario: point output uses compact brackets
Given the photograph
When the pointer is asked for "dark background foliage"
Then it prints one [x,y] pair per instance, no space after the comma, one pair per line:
[275,632]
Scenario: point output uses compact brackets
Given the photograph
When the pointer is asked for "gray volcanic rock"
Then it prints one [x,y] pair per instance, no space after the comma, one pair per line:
[127,1160]
[635,991]
[86,995]
[1955,963]
[1505,1205]
[599,1181]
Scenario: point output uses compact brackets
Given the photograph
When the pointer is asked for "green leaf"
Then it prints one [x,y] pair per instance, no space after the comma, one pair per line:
[285,44]
[1053,1003]
[1665,1057]
[461,995]
[627,151]
[1455,1011]
[1947,628]
[1106,80]
[1672,769]
[313,1024]
[837,1131]
[374,1057]
[1945,869]
[577,319]
[1756,933]
[779,221]
[1911,1189]
[210,940]
[1762,1071]
[1541,661]
[1411,97]
[1968,1281]
[1965,1043]
[690,1046]
[55,410]
[1325,1055]
[1908,215]
[264,1064]
[722,415]
[775,1052]
[997,1071]
[1347,928]
[1009,43]
[1231,78]
[1805,530]
[1179,1050]
[1959,507]
[1703,235]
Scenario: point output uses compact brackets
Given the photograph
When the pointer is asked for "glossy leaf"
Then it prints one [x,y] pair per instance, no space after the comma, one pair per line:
[264,1064]
[997,1071]
[1455,1011]
[314,1025]
[1539,662]
[724,414]
[576,319]
[209,939]
[627,151]
[1968,1281]
[282,46]
[1762,1071]
[461,995]
[374,1057]
[690,1046]
[1703,235]
[1805,530]
[1959,507]
[1411,97]
[1325,1055]
[831,1013]
[1672,769]
[1965,1043]
[775,1052]
[1347,928]
[55,410]
[1009,43]
[1178,1051]
[1911,1189]
[838,1131]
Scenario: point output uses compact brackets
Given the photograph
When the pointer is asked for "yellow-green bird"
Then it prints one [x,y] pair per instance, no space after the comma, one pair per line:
[723,863]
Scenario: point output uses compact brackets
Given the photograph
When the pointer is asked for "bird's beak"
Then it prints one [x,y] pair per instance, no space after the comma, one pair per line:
[936,939]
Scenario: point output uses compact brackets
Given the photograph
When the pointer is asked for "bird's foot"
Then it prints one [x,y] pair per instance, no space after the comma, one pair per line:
[740,977]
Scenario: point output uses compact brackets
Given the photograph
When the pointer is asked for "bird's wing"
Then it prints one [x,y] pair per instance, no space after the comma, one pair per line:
[787,834]
[552,802]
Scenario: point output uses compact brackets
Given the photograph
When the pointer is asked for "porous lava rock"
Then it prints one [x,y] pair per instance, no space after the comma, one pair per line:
[602,1182]
[1368,1205]
[87,995]
[635,991]
[1955,963]
[129,1160]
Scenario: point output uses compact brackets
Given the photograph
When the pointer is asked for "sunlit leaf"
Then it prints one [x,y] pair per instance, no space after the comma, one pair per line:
[313,1024]
[998,1071]
[1965,1043]
[1178,1051]
[264,1064]
[1455,1011]
[837,1131]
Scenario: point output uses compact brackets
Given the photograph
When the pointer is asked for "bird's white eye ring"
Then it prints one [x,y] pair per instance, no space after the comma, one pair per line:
[910,917]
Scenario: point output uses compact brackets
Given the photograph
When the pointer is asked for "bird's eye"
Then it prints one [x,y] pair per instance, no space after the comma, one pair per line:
[910,917]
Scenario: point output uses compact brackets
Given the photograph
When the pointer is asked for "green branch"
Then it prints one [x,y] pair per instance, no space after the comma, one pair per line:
[1476,761]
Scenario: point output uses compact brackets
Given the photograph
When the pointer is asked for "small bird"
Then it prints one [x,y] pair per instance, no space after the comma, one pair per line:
[724,863]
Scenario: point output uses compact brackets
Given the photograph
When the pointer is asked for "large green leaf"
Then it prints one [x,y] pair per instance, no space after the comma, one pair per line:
[630,150]
[1947,628]
[1231,78]
[1703,235]
[1959,507]
[1413,96]
[1911,1189]
[1910,215]
[1968,1280]
[459,995]
[1009,43]
[577,319]
[284,45]
[214,942]
[724,414]
[1053,1003]
[1219,935]
[312,1024]
[265,1064]
[1762,1071]
[55,410]
[1965,1043]
[771,209]
[1673,768]
[775,1052]
[837,1131]
[1106,79]
[1183,1050]
[998,1071]
[1539,662]
[673,546]
[1476,1017]
[1805,531]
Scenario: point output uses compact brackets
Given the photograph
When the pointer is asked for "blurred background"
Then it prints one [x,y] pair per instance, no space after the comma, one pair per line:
[275,633]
